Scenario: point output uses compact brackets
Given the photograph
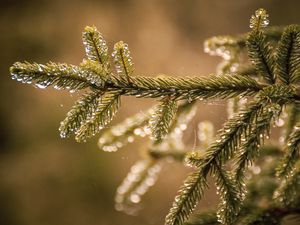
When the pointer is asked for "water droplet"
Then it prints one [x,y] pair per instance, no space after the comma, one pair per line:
[279,122]
[135,198]
[130,139]
[42,86]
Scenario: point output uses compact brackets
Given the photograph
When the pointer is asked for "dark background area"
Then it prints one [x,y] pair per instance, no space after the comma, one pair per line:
[46,180]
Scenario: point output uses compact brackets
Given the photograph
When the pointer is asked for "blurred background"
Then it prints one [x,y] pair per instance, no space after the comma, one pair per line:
[46,180]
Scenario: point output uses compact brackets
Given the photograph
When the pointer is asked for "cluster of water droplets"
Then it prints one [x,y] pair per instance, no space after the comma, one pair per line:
[61,75]
[217,46]
[93,72]
[141,177]
[260,19]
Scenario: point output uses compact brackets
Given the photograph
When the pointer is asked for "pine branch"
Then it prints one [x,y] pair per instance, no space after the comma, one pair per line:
[231,200]
[260,53]
[123,61]
[80,112]
[162,118]
[190,89]
[107,107]
[175,154]
[97,74]
[240,137]
[259,50]
[185,113]
[95,46]
[219,151]
[119,135]
[194,158]
[142,175]
[172,146]
[249,149]
[187,198]
[262,184]
[65,76]
[263,217]
[259,20]
[288,55]
[291,154]
[247,70]
[293,112]
[219,45]
[223,46]
[62,76]
[229,137]
[206,218]
[288,191]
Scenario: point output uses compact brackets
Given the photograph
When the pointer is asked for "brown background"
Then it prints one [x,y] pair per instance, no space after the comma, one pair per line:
[46,180]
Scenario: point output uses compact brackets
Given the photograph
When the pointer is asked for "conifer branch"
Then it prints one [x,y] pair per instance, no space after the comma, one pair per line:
[206,218]
[247,70]
[194,158]
[142,176]
[229,137]
[162,118]
[291,154]
[174,154]
[97,74]
[75,78]
[144,173]
[288,190]
[80,112]
[119,135]
[221,45]
[95,46]
[259,50]
[249,149]
[115,137]
[107,107]
[187,198]
[259,19]
[263,217]
[185,113]
[189,88]
[239,139]
[231,200]
[293,112]
[62,76]
[123,61]
[288,55]
[219,151]
[260,53]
